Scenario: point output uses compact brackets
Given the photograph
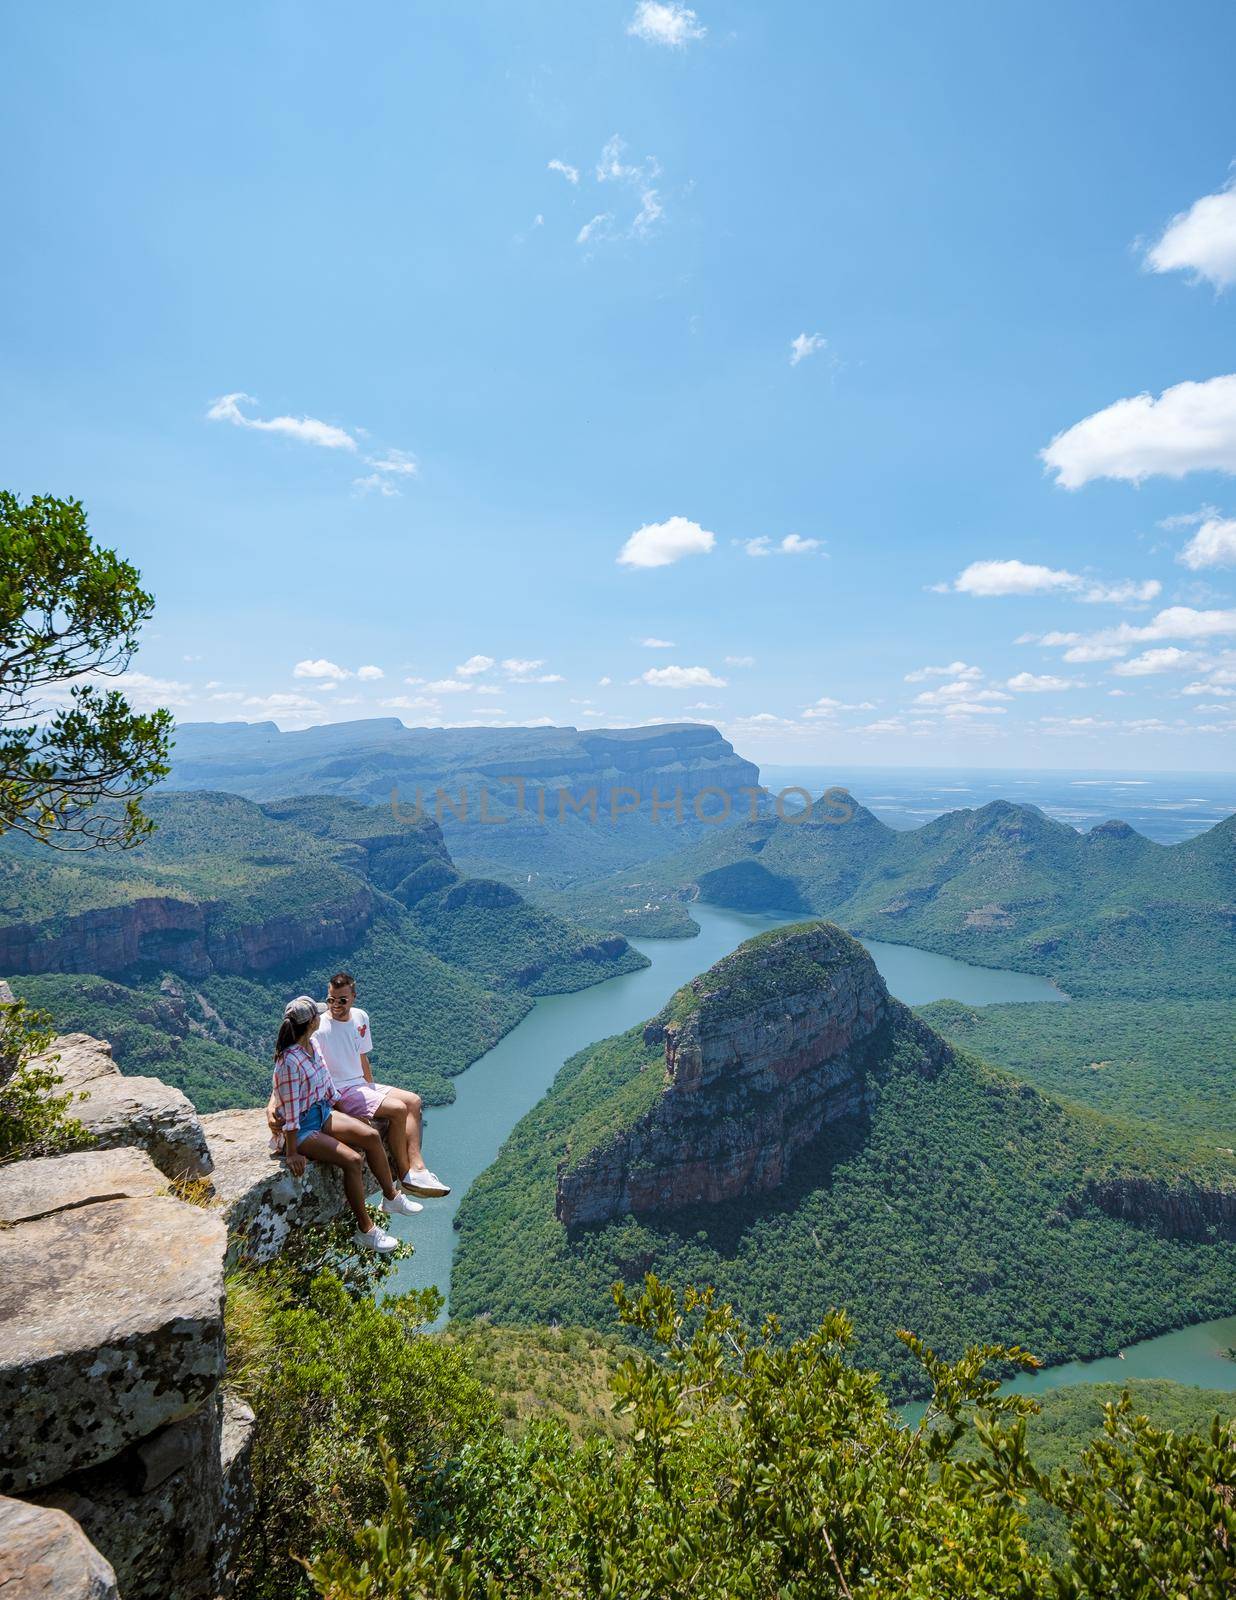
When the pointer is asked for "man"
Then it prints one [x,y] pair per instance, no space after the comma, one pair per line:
[345,1039]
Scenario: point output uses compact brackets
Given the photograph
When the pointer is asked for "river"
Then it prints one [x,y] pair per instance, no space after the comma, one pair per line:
[462,1139]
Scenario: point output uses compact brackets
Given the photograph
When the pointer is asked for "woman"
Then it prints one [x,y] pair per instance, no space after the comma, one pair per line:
[313,1130]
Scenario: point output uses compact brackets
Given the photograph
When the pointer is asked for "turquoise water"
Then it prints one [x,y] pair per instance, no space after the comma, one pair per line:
[462,1139]
[1195,1355]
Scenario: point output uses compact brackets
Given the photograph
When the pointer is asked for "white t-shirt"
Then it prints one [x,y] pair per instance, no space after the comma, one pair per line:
[343,1044]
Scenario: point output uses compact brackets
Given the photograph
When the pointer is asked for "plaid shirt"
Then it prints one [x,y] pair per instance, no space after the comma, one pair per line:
[302,1079]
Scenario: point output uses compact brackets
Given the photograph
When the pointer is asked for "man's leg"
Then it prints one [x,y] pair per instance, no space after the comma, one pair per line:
[402,1110]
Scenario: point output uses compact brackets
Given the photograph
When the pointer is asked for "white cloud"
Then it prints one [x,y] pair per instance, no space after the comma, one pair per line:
[570,173]
[680,678]
[804,345]
[395,464]
[1201,240]
[375,483]
[826,707]
[369,674]
[404,702]
[1039,683]
[959,692]
[490,688]
[649,214]
[1209,688]
[1109,644]
[520,670]
[660,544]
[657,644]
[665,22]
[449,686]
[740,661]
[1189,428]
[474,665]
[987,579]
[955,669]
[639,175]
[307,429]
[1168,659]
[145,693]
[282,702]
[604,683]
[1213,545]
[702,705]
[791,545]
[319,669]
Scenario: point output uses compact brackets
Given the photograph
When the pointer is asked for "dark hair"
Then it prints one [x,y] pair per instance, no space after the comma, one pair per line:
[343,980]
[290,1033]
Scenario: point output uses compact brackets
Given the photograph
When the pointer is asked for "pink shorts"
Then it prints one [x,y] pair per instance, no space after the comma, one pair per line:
[362,1099]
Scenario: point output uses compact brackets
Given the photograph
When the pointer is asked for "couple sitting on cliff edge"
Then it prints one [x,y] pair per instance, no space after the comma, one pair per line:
[323,1102]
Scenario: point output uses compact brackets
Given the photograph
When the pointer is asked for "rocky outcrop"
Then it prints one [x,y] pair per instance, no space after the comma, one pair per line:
[132,1461]
[189,936]
[113,1327]
[44,1555]
[174,1491]
[259,1199]
[761,1053]
[33,1189]
[1181,1208]
[122,1111]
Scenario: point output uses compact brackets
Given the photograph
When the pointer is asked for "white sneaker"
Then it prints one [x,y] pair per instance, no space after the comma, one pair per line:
[425,1182]
[375,1239]
[400,1206]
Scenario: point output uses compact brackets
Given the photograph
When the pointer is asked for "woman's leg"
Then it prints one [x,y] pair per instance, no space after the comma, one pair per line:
[360,1136]
[333,1152]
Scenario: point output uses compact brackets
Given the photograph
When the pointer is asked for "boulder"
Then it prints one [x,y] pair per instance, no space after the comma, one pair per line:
[44,1555]
[78,1059]
[112,1318]
[30,1189]
[119,1110]
[260,1200]
[143,1111]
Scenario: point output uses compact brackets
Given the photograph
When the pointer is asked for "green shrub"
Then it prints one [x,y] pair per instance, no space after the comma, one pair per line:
[765,1471]
[34,1119]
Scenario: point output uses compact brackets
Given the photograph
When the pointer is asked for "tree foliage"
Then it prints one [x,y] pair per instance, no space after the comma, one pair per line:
[75,757]
[34,1119]
[761,1470]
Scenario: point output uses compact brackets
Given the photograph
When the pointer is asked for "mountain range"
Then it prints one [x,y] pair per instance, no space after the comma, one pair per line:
[555,803]
[183,951]
[1106,912]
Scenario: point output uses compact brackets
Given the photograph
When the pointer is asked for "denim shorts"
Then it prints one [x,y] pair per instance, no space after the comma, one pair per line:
[314,1120]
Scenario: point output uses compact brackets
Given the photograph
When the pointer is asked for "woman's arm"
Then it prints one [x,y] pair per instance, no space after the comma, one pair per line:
[296,1162]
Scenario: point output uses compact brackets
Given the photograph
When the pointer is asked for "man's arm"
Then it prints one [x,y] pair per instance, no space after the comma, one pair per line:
[367,1069]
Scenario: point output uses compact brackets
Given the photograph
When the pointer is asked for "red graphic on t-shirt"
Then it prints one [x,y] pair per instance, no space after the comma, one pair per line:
[361,1029]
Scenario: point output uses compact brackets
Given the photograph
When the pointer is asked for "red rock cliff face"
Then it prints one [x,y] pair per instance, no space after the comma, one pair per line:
[181,935]
[746,1085]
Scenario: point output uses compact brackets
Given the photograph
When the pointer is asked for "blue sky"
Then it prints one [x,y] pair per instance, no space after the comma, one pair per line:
[528,297]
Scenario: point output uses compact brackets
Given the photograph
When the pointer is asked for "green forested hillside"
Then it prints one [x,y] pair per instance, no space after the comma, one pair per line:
[956,1207]
[446,965]
[1169,1062]
[1106,912]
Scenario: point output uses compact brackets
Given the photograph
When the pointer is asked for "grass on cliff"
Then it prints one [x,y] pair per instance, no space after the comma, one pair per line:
[952,1209]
